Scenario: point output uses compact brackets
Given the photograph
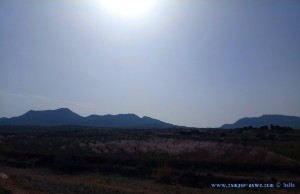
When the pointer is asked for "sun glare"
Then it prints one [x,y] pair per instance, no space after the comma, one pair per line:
[129,8]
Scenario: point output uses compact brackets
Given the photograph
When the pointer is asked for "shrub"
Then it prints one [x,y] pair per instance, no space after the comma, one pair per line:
[6,149]
[163,174]
[69,163]
[4,191]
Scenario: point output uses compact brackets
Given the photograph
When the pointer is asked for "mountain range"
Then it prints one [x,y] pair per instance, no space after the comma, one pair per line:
[64,116]
[281,120]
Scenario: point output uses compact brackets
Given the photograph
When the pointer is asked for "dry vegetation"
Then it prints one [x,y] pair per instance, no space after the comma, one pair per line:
[174,161]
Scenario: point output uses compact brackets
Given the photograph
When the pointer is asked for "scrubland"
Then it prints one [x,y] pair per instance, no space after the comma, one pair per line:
[77,159]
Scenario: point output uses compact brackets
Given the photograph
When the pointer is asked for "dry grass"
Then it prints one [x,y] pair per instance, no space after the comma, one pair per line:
[203,150]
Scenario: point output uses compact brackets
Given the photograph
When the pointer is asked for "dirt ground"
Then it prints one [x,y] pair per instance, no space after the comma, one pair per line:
[42,181]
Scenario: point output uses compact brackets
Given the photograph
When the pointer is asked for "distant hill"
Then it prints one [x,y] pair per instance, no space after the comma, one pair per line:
[281,120]
[64,116]
[3,119]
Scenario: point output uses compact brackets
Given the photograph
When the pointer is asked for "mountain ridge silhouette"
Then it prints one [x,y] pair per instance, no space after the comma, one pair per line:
[64,116]
[267,119]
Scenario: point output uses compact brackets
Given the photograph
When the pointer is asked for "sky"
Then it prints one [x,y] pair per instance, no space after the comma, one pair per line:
[198,63]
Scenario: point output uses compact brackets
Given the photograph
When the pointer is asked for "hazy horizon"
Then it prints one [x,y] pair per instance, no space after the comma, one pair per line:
[191,63]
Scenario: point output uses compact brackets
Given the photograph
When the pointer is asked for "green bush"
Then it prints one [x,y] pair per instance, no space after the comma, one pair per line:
[4,191]
[163,174]
[6,148]
[69,163]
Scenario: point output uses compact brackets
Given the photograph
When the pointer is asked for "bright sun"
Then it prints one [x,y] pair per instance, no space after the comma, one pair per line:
[129,8]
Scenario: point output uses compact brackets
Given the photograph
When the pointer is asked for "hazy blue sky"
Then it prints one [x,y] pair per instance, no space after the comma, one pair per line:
[188,62]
